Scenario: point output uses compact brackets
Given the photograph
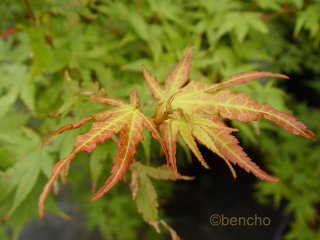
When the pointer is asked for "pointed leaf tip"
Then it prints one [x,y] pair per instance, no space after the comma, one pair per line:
[180,73]
[130,136]
[134,98]
[241,107]
[244,77]
[57,169]
[65,128]
[107,101]
[229,148]
[122,120]
[153,84]
[170,137]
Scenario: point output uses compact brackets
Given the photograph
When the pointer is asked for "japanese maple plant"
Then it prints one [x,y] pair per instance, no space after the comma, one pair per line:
[194,110]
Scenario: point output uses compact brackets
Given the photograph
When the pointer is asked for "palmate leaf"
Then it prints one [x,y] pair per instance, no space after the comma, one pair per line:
[217,138]
[179,75]
[239,106]
[194,111]
[20,179]
[153,84]
[175,80]
[170,137]
[180,106]
[144,193]
[127,121]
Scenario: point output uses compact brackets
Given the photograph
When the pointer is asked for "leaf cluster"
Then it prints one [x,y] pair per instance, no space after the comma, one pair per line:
[53,53]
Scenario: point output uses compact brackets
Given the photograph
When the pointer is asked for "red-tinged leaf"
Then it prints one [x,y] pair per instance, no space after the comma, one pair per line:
[244,77]
[192,97]
[228,147]
[108,101]
[125,120]
[185,129]
[180,74]
[98,117]
[103,116]
[87,142]
[100,132]
[194,94]
[191,103]
[58,168]
[204,138]
[161,114]
[130,137]
[201,121]
[170,137]
[152,128]
[65,128]
[241,107]
[134,99]
[196,87]
[175,80]
[191,110]
[211,121]
[153,84]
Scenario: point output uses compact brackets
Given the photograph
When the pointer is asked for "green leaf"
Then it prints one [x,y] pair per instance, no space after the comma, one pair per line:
[27,181]
[240,22]
[14,75]
[139,25]
[7,156]
[143,191]
[19,85]
[310,20]
[146,200]
[21,178]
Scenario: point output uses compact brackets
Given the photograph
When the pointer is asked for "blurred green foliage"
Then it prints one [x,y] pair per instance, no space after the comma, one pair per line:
[53,53]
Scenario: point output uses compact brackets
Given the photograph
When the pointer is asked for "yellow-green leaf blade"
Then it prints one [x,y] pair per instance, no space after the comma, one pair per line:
[145,196]
[203,137]
[185,130]
[244,77]
[151,127]
[180,74]
[228,146]
[170,135]
[108,101]
[87,142]
[153,84]
[130,136]
[163,172]
[241,107]
[99,132]
[195,89]
[66,128]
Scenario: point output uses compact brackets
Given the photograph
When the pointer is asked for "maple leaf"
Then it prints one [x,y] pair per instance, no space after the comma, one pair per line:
[193,111]
[145,195]
[126,120]
[176,79]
